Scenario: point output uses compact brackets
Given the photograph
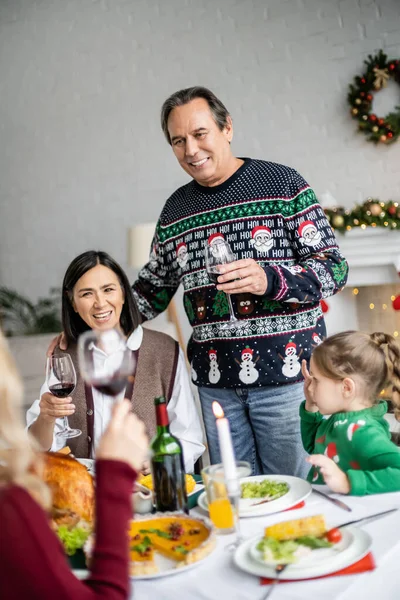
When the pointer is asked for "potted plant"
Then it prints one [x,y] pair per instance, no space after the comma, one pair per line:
[20,316]
[30,327]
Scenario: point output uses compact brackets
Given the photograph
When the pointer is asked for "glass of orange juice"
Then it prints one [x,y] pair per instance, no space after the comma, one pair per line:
[222,507]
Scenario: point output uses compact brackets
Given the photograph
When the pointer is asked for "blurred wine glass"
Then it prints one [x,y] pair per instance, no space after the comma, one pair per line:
[61,381]
[216,254]
[109,376]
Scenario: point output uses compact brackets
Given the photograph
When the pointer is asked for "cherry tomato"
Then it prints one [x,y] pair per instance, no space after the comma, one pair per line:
[333,535]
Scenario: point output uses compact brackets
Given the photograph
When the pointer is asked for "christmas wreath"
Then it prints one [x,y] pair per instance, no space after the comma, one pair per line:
[372,213]
[379,69]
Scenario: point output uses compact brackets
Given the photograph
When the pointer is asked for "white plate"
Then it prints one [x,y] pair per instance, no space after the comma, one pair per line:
[299,490]
[165,565]
[198,487]
[357,548]
[88,463]
[314,557]
[167,568]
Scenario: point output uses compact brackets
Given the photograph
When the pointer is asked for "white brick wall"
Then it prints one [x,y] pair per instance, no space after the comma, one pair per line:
[82,156]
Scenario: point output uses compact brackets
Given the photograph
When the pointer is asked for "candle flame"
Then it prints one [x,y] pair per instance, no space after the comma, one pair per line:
[217,410]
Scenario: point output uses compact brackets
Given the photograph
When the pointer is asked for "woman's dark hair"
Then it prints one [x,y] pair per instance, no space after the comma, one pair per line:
[73,324]
[218,110]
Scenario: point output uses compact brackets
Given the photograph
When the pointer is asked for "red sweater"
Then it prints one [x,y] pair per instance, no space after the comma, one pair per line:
[32,561]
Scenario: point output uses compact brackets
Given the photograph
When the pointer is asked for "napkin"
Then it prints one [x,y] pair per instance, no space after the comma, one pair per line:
[299,505]
[367,563]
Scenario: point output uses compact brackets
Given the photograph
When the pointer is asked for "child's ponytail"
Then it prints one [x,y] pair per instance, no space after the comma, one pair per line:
[390,347]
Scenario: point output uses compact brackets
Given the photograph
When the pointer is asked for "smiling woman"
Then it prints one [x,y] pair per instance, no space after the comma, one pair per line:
[97,296]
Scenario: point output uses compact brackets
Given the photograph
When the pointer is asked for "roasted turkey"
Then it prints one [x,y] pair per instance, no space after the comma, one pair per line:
[72,488]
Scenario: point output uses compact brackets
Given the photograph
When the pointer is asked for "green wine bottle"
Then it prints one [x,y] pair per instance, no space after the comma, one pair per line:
[167,465]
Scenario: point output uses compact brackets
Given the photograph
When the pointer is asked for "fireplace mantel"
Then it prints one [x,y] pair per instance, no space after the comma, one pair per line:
[374,260]
[373,255]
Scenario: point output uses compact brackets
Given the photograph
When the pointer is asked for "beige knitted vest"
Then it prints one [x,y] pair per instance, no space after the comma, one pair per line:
[157,361]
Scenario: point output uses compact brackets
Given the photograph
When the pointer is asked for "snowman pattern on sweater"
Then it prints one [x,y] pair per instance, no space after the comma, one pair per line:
[291,363]
[248,373]
[214,374]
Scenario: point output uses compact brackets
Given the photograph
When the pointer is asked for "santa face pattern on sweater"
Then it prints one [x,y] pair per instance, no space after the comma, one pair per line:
[182,255]
[259,211]
[309,234]
[262,240]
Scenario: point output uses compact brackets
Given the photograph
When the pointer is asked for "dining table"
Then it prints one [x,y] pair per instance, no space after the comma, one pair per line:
[217,577]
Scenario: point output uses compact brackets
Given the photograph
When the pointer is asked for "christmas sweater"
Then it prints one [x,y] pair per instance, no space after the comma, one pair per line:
[359,443]
[267,212]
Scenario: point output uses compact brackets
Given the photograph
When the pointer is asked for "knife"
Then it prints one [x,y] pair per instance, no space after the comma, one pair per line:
[338,503]
[370,517]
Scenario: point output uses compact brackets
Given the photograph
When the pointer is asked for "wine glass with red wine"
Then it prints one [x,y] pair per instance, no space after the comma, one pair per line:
[61,381]
[220,253]
[105,361]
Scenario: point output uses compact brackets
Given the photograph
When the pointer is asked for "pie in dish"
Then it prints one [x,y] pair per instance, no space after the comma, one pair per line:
[182,539]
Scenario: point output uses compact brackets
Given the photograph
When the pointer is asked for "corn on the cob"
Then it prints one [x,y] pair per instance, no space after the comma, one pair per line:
[147,481]
[290,530]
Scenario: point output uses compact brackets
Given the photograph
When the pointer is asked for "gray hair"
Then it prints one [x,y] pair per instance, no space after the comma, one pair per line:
[218,110]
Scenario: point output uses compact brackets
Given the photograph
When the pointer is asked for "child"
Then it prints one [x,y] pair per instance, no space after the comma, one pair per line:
[342,422]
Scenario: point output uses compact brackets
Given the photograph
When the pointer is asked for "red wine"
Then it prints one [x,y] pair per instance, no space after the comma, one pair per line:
[62,390]
[213,276]
[110,386]
[169,483]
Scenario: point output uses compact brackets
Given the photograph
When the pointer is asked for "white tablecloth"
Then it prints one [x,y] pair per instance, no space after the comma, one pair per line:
[217,578]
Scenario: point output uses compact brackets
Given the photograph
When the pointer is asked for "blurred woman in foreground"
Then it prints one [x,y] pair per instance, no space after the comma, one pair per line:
[32,561]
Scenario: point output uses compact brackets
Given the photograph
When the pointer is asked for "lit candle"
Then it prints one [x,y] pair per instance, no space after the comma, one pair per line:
[226,448]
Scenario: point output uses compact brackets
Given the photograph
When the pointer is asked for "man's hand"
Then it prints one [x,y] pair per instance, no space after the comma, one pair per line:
[334,477]
[244,276]
[59,340]
[52,408]
[310,404]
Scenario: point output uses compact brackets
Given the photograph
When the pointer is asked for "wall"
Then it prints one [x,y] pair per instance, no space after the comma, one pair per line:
[82,81]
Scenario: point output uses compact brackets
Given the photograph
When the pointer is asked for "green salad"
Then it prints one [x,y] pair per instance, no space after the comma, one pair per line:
[264,488]
[289,551]
[72,539]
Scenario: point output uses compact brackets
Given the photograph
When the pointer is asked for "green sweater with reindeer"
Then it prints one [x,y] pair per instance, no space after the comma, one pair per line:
[267,212]
[359,443]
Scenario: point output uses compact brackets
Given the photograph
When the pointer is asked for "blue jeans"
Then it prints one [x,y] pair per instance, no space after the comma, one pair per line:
[265,427]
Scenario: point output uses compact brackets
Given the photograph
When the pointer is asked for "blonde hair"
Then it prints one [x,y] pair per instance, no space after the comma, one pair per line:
[374,357]
[20,461]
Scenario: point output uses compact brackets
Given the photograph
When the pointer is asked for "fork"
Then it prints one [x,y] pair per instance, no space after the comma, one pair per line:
[269,499]
[278,572]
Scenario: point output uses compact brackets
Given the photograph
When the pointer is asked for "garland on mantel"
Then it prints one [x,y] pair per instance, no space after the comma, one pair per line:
[372,213]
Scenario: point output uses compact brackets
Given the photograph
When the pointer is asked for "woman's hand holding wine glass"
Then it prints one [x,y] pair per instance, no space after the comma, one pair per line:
[52,408]
[61,381]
